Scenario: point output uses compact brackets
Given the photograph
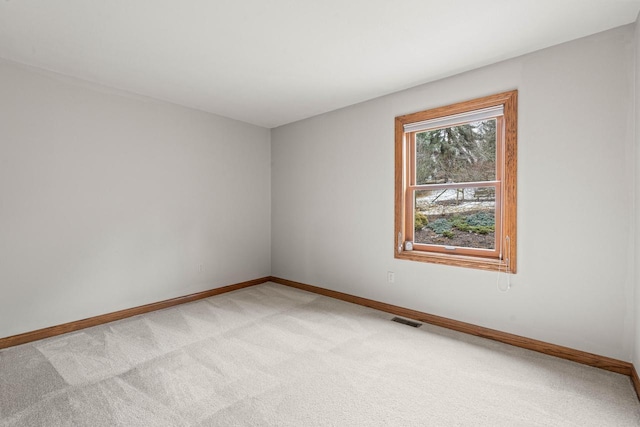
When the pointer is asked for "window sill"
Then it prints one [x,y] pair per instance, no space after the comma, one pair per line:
[489,264]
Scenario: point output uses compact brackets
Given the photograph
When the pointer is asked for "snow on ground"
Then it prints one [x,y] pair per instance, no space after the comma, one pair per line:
[441,202]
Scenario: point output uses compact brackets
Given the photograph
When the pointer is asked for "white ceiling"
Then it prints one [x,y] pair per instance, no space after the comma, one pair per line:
[272,62]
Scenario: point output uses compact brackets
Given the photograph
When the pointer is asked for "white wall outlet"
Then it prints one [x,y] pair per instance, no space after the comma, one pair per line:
[200,268]
[391,276]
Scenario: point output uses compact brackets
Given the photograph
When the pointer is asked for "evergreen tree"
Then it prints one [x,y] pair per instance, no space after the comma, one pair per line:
[463,153]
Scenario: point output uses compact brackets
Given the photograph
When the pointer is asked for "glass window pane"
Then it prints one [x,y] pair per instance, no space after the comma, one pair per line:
[464,153]
[462,217]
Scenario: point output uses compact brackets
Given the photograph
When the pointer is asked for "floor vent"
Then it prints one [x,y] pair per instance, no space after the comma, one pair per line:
[406,322]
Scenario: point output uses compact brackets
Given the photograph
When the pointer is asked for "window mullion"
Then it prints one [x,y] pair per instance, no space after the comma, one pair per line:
[453,185]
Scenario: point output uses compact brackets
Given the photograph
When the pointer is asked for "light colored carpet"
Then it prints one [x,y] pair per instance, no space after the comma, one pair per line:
[273,355]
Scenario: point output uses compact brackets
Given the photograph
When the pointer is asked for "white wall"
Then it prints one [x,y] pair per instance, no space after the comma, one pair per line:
[332,200]
[109,201]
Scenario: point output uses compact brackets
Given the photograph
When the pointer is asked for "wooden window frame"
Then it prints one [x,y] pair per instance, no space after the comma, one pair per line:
[504,256]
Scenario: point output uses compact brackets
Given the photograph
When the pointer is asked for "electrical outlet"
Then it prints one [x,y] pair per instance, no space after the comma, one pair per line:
[391,276]
[200,268]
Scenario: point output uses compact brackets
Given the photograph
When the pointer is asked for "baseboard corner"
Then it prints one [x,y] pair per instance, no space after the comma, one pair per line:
[635,380]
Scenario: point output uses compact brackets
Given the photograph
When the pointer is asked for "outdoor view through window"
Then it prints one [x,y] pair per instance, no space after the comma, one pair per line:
[457,164]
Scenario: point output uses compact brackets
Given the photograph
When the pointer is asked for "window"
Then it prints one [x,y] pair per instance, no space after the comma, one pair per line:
[455,173]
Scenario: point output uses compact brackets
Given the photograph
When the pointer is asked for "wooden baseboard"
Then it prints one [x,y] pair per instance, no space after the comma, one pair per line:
[567,353]
[635,380]
[122,314]
[578,356]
